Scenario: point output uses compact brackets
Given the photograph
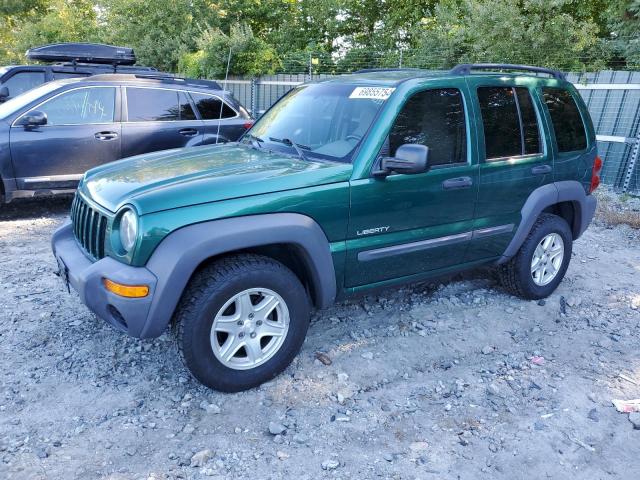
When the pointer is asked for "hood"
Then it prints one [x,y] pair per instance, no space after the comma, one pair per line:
[177,178]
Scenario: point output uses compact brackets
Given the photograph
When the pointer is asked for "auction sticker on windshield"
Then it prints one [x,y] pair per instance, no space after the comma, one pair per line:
[377,93]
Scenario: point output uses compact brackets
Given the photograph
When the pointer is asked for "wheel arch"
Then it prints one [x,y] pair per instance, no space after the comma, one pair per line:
[566,199]
[294,239]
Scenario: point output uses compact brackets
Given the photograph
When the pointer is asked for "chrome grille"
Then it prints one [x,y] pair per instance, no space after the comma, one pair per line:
[89,227]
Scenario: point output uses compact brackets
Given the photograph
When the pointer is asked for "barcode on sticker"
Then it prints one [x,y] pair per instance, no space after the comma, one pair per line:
[377,93]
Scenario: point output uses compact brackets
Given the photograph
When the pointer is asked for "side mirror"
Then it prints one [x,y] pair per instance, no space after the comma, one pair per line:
[4,93]
[34,118]
[410,158]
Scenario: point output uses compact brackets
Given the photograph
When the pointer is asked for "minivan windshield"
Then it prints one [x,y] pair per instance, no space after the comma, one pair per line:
[323,120]
[13,105]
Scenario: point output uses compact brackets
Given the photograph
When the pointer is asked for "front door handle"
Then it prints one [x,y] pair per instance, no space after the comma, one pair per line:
[106,135]
[457,183]
[188,132]
[541,169]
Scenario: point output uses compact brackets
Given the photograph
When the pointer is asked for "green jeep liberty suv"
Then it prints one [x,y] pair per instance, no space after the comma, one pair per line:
[361,181]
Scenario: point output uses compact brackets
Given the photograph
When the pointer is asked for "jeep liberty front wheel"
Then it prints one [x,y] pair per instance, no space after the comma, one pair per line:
[542,261]
[241,322]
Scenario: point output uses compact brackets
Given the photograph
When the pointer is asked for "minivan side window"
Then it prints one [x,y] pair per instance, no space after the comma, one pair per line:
[155,105]
[509,122]
[434,118]
[80,107]
[23,81]
[209,107]
[565,117]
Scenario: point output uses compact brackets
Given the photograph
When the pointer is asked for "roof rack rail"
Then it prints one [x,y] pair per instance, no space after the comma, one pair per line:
[466,68]
[174,78]
[369,70]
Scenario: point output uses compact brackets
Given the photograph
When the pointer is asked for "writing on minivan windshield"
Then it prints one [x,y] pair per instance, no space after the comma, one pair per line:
[323,120]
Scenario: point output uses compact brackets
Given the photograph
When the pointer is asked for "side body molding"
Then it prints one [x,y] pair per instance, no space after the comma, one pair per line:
[566,191]
[179,254]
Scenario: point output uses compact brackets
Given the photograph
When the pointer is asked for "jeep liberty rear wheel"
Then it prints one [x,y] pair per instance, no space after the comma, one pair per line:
[241,321]
[542,261]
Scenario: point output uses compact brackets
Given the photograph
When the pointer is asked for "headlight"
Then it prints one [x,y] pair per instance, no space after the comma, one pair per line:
[128,230]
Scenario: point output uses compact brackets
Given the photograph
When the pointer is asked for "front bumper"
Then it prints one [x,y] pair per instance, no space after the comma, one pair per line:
[86,277]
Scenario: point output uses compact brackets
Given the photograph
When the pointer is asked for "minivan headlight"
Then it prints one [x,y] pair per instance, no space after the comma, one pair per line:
[128,230]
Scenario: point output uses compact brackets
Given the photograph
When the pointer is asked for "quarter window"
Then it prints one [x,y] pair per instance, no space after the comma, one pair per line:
[565,117]
[82,106]
[212,108]
[436,119]
[152,105]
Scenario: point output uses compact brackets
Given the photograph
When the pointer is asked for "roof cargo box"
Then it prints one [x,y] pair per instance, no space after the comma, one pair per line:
[83,53]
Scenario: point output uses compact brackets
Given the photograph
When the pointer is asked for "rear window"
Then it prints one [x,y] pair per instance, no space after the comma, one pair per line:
[565,117]
[509,121]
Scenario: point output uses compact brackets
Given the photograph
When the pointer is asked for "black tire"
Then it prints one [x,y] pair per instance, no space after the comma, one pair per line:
[515,275]
[207,293]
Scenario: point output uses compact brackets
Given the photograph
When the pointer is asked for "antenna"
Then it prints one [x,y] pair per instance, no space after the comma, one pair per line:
[224,88]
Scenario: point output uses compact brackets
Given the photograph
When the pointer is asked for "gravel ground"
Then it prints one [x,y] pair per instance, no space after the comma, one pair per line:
[442,380]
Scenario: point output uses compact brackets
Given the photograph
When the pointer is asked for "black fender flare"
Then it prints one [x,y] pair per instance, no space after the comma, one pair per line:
[546,196]
[182,251]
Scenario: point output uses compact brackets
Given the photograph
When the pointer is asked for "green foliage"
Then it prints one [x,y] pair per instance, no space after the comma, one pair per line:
[194,36]
[30,23]
[249,55]
[534,32]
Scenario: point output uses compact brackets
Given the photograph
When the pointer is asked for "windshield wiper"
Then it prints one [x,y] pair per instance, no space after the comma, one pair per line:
[255,140]
[299,148]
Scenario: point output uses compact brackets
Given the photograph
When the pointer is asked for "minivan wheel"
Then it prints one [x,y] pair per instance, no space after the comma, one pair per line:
[542,261]
[241,322]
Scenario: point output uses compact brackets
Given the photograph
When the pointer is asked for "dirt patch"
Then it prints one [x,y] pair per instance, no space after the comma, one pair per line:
[453,380]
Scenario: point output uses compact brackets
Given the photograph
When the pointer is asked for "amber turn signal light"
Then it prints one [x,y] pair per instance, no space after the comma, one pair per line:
[129,291]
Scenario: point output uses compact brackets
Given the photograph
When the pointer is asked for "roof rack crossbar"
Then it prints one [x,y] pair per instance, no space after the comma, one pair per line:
[466,68]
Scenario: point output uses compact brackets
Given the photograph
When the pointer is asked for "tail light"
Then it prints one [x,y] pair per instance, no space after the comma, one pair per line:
[595,173]
[247,125]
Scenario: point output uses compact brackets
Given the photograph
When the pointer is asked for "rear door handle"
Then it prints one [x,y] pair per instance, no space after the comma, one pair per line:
[188,132]
[106,135]
[541,169]
[456,183]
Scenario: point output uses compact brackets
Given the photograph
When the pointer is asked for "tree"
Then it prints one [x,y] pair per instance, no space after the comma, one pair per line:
[36,22]
[249,54]
[160,31]
[511,31]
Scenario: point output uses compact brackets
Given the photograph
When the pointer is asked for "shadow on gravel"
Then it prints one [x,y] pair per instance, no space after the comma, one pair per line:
[27,208]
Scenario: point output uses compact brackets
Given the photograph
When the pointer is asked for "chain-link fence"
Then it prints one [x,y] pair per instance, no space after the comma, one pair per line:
[613,98]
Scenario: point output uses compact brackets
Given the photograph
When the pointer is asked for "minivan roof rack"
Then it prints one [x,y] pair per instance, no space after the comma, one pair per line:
[466,68]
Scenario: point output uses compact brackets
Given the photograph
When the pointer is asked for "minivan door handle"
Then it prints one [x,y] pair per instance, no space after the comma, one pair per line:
[541,169]
[188,132]
[106,135]
[457,183]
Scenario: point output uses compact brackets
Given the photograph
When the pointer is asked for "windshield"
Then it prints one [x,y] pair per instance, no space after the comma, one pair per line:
[324,120]
[13,105]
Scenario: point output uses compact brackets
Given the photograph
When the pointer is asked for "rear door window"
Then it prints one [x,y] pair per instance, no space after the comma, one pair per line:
[152,105]
[509,121]
[565,117]
[212,108]
[434,118]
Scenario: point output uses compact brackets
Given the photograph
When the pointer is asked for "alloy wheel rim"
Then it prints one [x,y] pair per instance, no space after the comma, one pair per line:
[547,259]
[249,329]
